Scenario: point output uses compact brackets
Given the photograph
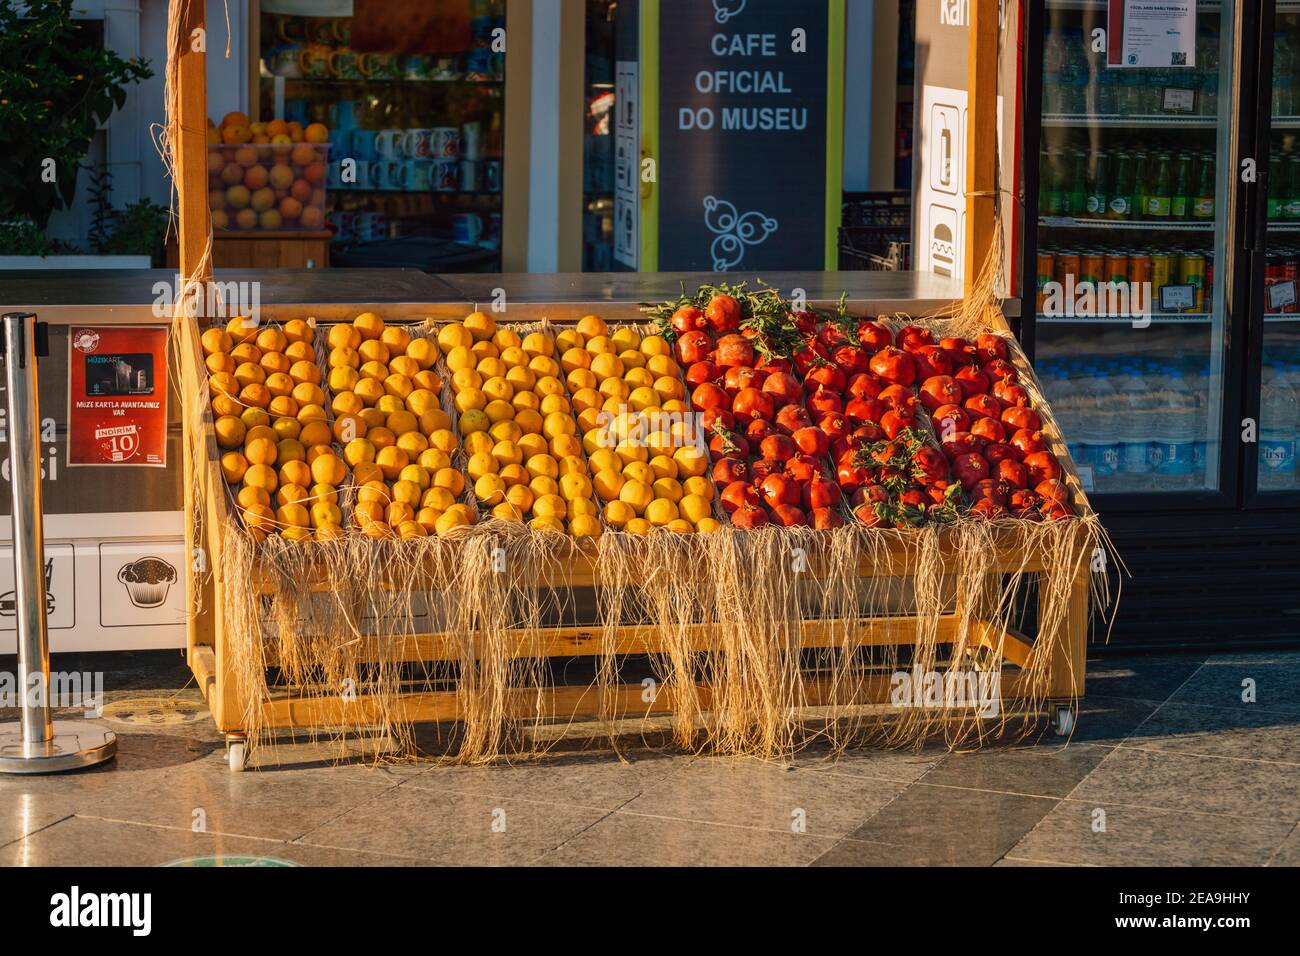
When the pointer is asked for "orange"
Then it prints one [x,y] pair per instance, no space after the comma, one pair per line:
[261,451]
[295,472]
[328,469]
[230,431]
[369,325]
[590,326]
[249,496]
[316,133]
[261,476]
[233,466]
[344,336]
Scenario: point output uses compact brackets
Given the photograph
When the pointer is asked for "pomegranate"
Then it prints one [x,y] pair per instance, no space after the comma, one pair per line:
[738,377]
[728,446]
[940,390]
[990,429]
[931,360]
[826,518]
[749,517]
[687,318]
[1011,472]
[791,418]
[820,492]
[709,396]
[737,495]
[783,388]
[802,468]
[912,338]
[899,397]
[969,469]
[893,422]
[723,313]
[824,402]
[1027,442]
[894,366]
[960,352]
[693,347]
[972,380]
[825,376]
[865,410]
[815,440]
[1010,393]
[930,463]
[989,347]
[1042,466]
[983,405]
[1017,417]
[997,451]
[777,447]
[758,430]
[873,336]
[960,443]
[750,403]
[779,489]
[864,385]
[947,419]
[728,470]
[701,372]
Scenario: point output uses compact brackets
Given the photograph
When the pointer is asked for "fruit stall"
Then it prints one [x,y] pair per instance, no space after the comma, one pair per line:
[743,519]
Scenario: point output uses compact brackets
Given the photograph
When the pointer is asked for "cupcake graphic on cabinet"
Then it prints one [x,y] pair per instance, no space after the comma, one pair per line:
[147,580]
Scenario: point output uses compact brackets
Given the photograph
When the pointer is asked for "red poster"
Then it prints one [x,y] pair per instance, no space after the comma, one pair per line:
[117,396]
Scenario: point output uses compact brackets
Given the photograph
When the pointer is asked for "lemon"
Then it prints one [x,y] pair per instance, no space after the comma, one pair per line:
[453,336]
[695,508]
[481,464]
[668,489]
[474,421]
[547,524]
[490,489]
[550,506]
[638,526]
[542,466]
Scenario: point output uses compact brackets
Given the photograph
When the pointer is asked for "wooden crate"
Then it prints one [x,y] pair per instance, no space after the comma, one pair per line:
[209,652]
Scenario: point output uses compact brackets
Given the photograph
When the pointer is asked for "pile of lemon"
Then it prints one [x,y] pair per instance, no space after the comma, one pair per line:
[637,429]
[395,435]
[272,426]
[525,459]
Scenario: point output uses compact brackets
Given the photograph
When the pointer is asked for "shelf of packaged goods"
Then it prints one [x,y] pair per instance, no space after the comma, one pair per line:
[1159,120]
[1284,225]
[388,80]
[1069,222]
[1161,318]
[1204,6]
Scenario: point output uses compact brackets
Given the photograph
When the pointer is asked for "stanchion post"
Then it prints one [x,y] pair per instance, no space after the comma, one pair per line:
[36,744]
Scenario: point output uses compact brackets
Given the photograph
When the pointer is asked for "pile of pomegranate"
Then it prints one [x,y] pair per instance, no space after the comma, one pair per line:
[811,417]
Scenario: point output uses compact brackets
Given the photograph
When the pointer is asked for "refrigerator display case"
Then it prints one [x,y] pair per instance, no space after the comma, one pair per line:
[1164,325]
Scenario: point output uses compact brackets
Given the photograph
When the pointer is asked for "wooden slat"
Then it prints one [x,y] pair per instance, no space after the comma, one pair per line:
[981,138]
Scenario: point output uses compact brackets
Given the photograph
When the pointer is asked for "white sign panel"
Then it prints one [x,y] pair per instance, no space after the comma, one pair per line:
[60,588]
[1151,34]
[141,583]
[941,199]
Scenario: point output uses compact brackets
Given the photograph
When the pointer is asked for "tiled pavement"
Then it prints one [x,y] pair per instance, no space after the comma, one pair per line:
[1169,766]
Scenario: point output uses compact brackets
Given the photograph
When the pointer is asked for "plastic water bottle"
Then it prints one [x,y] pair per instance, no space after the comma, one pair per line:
[1201,448]
[1099,418]
[1176,434]
[1157,380]
[1279,417]
[1133,417]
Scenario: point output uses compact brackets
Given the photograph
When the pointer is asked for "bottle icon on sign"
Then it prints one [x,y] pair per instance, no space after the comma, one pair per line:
[945,155]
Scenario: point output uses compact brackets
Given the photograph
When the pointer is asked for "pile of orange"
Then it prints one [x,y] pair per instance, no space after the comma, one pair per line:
[525,458]
[272,426]
[266,176]
[638,429]
[395,435]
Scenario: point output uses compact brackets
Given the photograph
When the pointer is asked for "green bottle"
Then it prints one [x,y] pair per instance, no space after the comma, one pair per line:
[1099,185]
[1076,186]
[1181,203]
[1121,198]
[1138,202]
[1203,194]
[1160,195]
[1291,196]
[1055,205]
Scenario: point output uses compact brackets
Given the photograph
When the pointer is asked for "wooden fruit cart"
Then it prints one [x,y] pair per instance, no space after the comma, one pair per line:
[1042,671]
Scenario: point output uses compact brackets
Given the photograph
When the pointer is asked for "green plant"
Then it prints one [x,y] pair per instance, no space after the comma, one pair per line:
[22,237]
[138,230]
[57,84]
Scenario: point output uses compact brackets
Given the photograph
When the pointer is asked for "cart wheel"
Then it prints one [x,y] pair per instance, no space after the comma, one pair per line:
[1063,720]
[237,755]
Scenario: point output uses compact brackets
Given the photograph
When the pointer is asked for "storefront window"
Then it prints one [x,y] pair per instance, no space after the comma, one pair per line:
[371,141]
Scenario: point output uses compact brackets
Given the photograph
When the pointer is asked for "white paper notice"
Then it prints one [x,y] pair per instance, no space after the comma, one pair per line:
[1151,33]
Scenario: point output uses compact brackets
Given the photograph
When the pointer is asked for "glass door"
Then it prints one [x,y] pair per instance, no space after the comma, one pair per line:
[1276,474]
[412,113]
[1133,209]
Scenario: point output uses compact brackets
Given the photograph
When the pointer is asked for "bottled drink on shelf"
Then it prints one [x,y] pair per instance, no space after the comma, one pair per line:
[1291,192]
[1075,191]
[1176,433]
[1180,202]
[1278,183]
[1098,188]
[1159,200]
[1133,428]
[1121,195]
[1203,193]
[1284,65]
[1098,402]
[1279,417]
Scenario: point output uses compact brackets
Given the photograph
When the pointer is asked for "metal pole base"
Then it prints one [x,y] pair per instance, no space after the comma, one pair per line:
[76,744]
